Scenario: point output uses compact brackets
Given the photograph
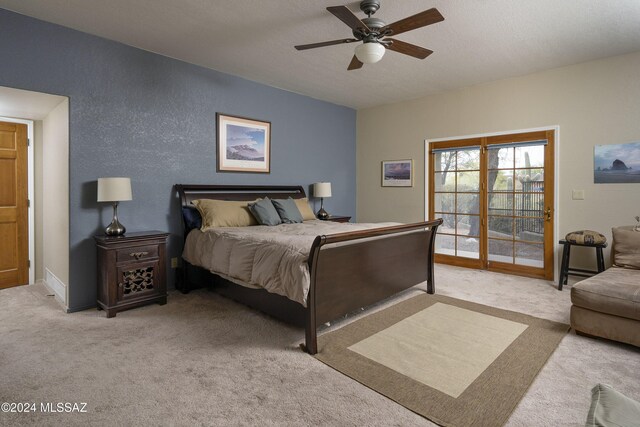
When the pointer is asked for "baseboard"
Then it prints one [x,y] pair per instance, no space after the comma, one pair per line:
[56,286]
[81,308]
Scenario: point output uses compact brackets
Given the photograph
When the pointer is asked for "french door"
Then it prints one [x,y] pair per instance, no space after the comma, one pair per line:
[495,195]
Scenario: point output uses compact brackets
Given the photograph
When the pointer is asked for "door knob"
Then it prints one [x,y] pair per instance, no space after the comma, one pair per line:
[547,214]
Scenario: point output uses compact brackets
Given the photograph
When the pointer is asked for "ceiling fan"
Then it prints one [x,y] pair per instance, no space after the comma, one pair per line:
[375,33]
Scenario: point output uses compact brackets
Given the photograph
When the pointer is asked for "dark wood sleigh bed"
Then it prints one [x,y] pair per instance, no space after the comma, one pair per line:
[366,266]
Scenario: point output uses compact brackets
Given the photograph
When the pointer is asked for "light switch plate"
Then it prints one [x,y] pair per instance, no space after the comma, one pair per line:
[174,262]
[577,194]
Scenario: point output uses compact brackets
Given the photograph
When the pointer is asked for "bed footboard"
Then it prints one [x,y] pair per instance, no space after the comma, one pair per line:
[354,270]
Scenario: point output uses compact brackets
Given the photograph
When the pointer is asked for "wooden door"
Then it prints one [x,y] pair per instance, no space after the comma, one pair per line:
[520,203]
[14,230]
[496,197]
[455,196]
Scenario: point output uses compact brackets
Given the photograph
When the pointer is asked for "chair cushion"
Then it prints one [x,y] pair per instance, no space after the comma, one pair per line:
[586,237]
[626,247]
[615,291]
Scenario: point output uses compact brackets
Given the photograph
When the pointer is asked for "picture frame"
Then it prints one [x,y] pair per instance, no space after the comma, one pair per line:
[397,173]
[617,163]
[243,144]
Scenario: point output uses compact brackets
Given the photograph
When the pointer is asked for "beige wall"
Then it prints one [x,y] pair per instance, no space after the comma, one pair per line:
[55,192]
[593,103]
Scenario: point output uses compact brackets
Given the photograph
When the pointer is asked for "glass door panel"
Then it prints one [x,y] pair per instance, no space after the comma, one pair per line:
[468,181]
[468,160]
[516,203]
[468,247]
[530,156]
[456,199]
[445,244]
[529,254]
[468,203]
[500,250]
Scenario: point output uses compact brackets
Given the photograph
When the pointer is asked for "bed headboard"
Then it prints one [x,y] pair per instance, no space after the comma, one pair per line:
[190,192]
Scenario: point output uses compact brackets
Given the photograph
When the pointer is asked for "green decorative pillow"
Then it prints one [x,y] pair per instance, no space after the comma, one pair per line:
[612,408]
[288,210]
[264,212]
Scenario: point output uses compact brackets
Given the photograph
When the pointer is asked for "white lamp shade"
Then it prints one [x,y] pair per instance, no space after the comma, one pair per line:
[322,189]
[370,53]
[114,189]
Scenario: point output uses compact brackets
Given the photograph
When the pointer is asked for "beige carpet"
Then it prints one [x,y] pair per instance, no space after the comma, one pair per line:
[455,362]
[203,360]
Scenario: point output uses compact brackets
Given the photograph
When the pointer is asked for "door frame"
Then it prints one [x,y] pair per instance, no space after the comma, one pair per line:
[30,192]
[556,192]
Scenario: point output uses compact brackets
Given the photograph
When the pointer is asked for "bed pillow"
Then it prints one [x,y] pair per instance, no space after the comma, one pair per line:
[192,218]
[288,210]
[305,210]
[612,408]
[224,213]
[264,212]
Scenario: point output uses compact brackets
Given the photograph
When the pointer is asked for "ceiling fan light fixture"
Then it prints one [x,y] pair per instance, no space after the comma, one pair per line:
[370,53]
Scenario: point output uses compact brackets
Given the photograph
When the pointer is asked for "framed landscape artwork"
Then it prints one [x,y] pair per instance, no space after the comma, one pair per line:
[397,173]
[244,145]
[617,163]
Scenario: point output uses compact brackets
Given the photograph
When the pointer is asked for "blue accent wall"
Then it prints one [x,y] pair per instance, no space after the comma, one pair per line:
[138,114]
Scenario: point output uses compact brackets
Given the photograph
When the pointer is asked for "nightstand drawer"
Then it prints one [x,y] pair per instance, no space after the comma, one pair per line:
[137,253]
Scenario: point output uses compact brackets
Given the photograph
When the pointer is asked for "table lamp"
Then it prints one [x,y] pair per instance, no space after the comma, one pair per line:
[114,190]
[322,190]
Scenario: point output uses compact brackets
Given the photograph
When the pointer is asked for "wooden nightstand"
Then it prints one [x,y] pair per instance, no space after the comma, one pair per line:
[131,270]
[338,218]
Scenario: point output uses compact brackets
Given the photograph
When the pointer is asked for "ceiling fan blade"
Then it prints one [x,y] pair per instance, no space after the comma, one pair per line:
[418,20]
[322,44]
[408,49]
[354,64]
[345,15]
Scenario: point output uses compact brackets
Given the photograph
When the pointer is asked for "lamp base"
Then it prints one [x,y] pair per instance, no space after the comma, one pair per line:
[322,214]
[115,228]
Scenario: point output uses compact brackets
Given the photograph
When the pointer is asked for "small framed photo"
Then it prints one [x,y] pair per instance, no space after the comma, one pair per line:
[397,173]
[244,145]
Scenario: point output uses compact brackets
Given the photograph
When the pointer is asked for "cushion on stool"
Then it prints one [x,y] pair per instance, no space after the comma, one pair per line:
[586,237]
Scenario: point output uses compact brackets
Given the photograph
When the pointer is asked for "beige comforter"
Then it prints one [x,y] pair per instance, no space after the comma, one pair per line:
[273,258]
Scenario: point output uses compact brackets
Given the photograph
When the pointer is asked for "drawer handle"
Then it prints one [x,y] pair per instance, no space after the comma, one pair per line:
[138,255]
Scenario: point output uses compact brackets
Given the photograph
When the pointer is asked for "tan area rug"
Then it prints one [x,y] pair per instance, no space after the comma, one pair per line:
[454,362]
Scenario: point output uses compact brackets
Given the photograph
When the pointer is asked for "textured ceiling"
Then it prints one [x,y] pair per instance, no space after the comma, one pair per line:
[479,41]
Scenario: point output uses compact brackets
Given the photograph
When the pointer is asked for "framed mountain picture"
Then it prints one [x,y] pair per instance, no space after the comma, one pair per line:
[617,163]
[397,173]
[244,145]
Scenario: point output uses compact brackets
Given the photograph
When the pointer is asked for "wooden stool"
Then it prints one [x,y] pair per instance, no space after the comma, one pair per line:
[586,238]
